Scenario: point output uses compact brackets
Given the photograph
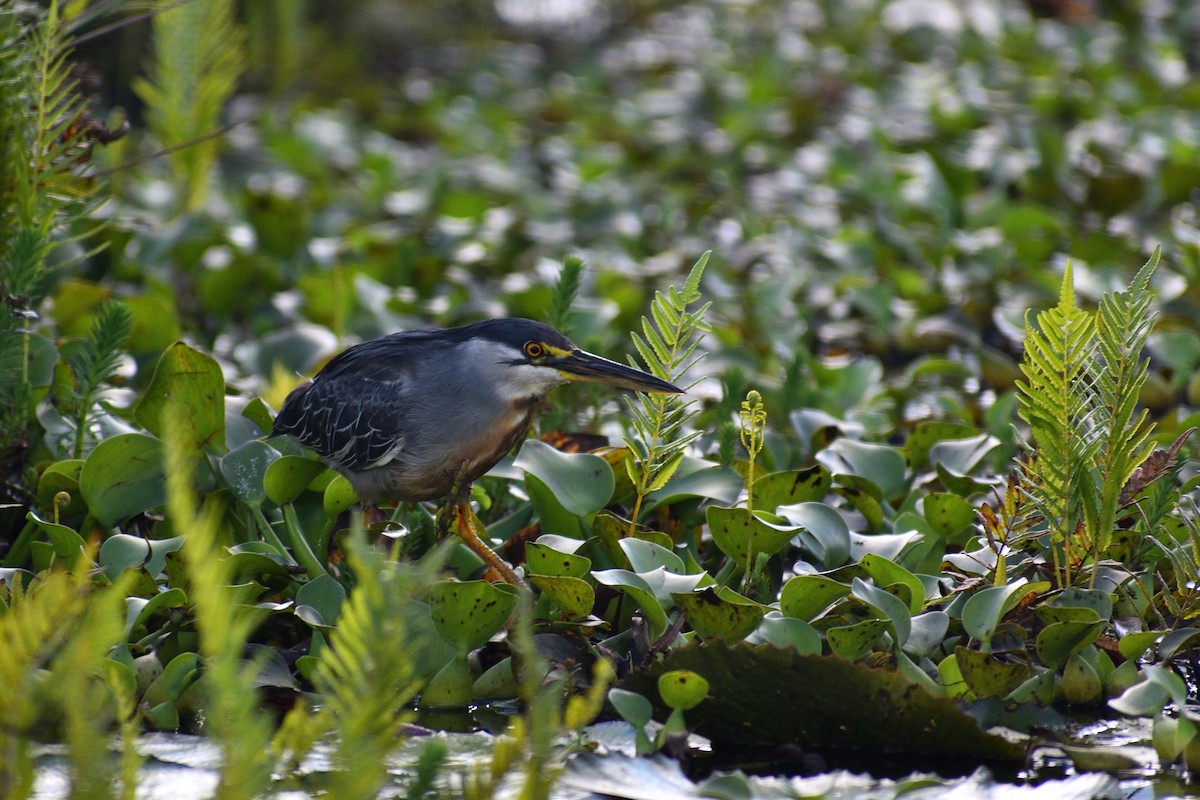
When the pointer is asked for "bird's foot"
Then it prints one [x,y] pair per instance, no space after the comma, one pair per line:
[497,568]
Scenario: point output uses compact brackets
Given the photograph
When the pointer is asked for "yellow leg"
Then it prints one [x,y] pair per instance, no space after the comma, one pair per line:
[465,526]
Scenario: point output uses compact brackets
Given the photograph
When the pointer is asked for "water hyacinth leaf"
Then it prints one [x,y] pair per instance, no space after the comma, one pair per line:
[323,595]
[781,631]
[886,604]
[191,384]
[928,632]
[611,530]
[633,707]
[123,476]
[988,676]
[985,609]
[451,687]
[1059,641]
[930,432]
[139,610]
[121,550]
[864,496]
[885,572]
[468,613]
[647,556]
[257,561]
[68,545]
[720,612]
[62,476]
[720,484]
[582,483]
[806,596]
[950,677]
[574,597]
[818,428]
[853,642]
[884,466]
[1081,682]
[791,487]
[245,469]
[961,456]
[1134,645]
[287,476]
[542,559]
[339,496]
[1095,600]
[822,531]
[1177,640]
[682,689]
[641,592]
[890,546]
[1144,699]
[743,535]
[552,515]
[948,514]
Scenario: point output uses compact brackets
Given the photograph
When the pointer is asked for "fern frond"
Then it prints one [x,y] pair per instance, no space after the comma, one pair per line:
[566,289]
[364,676]
[198,63]
[1057,356]
[666,351]
[1123,322]
[94,361]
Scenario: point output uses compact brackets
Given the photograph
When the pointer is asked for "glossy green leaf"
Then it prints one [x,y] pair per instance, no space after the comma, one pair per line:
[286,477]
[948,514]
[791,487]
[574,597]
[582,483]
[191,384]
[682,689]
[985,609]
[121,550]
[323,596]
[987,675]
[806,596]
[339,496]
[822,531]
[886,605]
[781,631]
[245,468]
[720,612]
[647,556]
[68,545]
[743,535]
[62,476]
[852,642]
[886,572]
[1059,641]
[884,466]
[468,613]
[123,476]
[541,559]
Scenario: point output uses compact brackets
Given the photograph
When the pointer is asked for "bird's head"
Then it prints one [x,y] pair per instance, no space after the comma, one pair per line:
[534,357]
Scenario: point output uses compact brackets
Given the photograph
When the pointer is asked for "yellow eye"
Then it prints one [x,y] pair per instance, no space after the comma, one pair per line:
[533,349]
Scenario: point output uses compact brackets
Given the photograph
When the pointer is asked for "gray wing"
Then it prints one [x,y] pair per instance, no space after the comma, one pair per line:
[352,412]
[355,422]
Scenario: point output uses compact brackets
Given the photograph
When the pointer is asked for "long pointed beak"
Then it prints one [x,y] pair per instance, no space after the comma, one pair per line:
[583,366]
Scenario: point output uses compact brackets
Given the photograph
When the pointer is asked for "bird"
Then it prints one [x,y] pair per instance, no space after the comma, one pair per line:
[419,415]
